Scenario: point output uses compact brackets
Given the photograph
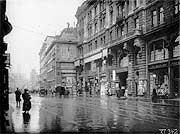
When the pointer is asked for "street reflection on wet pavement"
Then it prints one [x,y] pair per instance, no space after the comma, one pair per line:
[93,114]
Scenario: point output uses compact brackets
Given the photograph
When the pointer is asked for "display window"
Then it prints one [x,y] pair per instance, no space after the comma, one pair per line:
[176,81]
[176,49]
[159,81]
[124,61]
[158,51]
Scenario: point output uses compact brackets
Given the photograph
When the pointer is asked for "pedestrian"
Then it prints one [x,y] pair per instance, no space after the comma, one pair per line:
[27,103]
[18,97]
[154,95]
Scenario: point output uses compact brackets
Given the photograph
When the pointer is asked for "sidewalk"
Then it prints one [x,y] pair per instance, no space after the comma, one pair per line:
[163,102]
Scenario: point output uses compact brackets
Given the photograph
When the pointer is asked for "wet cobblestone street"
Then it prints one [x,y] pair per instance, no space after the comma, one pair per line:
[93,114]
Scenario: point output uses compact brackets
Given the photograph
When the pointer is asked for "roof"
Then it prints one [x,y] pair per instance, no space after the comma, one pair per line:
[68,34]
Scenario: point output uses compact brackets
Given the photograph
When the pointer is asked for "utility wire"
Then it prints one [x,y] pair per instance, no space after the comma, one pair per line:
[28,30]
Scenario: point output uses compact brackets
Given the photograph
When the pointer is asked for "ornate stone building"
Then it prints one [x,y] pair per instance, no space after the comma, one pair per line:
[56,60]
[114,38]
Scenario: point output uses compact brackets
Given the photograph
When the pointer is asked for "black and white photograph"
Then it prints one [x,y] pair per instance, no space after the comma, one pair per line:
[89,66]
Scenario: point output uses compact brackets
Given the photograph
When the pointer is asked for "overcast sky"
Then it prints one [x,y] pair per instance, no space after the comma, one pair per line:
[32,21]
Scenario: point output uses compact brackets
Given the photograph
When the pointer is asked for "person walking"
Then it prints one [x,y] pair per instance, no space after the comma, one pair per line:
[154,95]
[18,97]
[27,103]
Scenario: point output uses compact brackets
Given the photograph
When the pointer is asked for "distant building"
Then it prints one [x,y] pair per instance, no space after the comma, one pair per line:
[47,63]
[34,80]
[56,60]
[129,44]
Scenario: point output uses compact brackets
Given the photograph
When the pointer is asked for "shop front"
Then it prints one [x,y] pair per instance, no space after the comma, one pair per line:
[175,78]
[103,84]
[159,79]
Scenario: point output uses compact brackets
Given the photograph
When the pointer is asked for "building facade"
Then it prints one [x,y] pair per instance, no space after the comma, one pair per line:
[56,60]
[114,38]
[163,47]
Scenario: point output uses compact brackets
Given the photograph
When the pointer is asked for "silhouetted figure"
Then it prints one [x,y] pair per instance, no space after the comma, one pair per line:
[26,118]
[62,92]
[27,103]
[18,97]
[154,95]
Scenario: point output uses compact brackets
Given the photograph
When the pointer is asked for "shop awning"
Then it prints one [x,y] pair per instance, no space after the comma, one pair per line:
[92,58]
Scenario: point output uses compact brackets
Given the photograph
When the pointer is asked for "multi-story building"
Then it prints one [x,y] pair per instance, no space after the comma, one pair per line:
[163,47]
[56,60]
[46,63]
[34,80]
[114,37]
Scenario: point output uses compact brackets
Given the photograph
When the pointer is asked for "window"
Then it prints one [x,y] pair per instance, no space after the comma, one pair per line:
[96,44]
[135,3]
[176,48]
[101,23]
[90,47]
[123,9]
[117,32]
[136,23]
[95,27]
[177,7]
[104,39]
[161,15]
[89,15]
[104,19]
[154,18]
[95,10]
[111,15]
[118,10]
[90,30]
[110,36]
[80,50]
[127,27]
[127,6]
[158,51]
[122,30]
[101,41]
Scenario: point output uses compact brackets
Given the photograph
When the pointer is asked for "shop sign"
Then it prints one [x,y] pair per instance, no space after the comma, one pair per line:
[175,63]
[158,66]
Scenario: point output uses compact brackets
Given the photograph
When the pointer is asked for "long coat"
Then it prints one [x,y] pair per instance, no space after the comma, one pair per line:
[27,102]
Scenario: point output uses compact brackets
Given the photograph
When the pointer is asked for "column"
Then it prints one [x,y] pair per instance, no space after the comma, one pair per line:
[130,79]
[170,70]
[142,68]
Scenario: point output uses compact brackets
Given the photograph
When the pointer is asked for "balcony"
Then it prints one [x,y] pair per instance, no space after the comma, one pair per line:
[135,32]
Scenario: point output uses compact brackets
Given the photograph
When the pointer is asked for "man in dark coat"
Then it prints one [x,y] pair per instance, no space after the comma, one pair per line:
[27,103]
[18,97]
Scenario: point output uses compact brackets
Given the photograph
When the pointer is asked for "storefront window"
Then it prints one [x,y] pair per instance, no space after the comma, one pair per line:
[124,62]
[176,50]
[159,81]
[158,51]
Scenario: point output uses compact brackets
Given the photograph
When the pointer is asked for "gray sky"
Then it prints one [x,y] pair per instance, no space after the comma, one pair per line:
[32,20]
